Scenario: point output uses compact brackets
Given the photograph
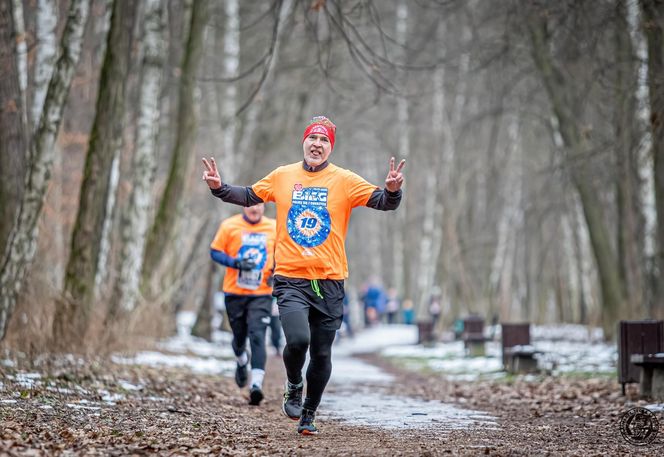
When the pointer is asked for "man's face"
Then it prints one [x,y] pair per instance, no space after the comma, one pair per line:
[317,149]
[254,213]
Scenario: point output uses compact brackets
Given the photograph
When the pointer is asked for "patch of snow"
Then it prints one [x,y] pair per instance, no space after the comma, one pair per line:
[83,406]
[8,402]
[347,370]
[197,346]
[110,398]
[375,338]
[27,380]
[656,407]
[8,363]
[556,355]
[126,385]
[60,390]
[196,364]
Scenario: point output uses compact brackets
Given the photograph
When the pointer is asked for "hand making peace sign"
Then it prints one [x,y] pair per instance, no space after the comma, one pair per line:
[394,178]
[211,175]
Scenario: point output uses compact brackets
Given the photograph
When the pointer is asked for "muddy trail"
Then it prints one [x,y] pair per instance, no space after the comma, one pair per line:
[101,408]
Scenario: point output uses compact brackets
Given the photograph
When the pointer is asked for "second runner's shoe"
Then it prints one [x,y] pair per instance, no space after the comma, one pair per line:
[255,395]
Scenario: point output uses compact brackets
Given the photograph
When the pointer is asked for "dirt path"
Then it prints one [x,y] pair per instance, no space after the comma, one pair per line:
[172,412]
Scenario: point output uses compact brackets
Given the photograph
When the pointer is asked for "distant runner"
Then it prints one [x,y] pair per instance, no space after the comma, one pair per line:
[314,201]
[244,243]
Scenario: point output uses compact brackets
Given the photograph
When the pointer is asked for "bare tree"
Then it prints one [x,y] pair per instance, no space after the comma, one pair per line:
[161,233]
[12,128]
[45,54]
[136,222]
[105,143]
[653,24]
[563,102]
[20,251]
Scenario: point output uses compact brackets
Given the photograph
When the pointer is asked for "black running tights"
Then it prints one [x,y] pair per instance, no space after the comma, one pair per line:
[300,337]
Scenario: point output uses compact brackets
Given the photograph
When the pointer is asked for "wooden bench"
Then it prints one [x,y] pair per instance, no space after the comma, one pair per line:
[637,337]
[651,383]
[426,333]
[521,359]
[473,336]
[518,354]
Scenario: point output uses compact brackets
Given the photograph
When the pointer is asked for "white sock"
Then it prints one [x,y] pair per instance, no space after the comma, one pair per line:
[257,376]
[243,359]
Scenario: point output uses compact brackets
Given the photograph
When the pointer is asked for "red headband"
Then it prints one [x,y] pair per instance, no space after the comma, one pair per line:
[322,126]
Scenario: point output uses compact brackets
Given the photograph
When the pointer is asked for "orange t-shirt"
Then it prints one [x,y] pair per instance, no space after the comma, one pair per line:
[313,211]
[238,238]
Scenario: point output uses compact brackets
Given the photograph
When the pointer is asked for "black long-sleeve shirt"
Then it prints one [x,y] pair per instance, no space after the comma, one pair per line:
[381,199]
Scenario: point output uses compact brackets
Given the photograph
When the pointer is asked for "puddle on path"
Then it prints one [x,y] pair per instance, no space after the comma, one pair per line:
[398,412]
[358,394]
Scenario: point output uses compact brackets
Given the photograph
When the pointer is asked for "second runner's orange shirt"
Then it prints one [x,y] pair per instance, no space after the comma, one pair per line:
[238,238]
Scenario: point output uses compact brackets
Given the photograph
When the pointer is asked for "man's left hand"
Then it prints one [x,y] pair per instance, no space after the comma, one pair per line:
[394,178]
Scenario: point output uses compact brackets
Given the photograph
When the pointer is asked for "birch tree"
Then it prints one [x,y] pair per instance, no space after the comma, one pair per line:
[19,253]
[161,233]
[403,151]
[563,101]
[105,143]
[136,218]
[629,214]
[12,128]
[21,55]
[653,25]
[46,18]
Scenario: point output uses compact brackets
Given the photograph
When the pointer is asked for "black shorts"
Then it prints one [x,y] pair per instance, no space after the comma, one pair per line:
[252,311]
[295,294]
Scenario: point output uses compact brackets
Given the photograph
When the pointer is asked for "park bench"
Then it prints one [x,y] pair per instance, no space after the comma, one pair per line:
[473,336]
[637,337]
[425,333]
[518,354]
[651,383]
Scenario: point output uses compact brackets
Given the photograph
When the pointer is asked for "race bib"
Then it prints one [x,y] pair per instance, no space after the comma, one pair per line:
[308,221]
[254,247]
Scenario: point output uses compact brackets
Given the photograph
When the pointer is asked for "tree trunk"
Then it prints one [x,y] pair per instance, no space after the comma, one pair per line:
[399,280]
[45,54]
[20,251]
[203,326]
[558,91]
[653,24]
[630,218]
[161,234]
[135,221]
[105,144]
[12,128]
[21,56]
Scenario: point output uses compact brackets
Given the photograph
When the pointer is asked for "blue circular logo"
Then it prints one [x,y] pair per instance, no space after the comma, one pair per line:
[308,226]
[256,253]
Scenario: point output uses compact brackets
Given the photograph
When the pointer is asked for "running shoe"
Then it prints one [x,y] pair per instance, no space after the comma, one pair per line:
[241,375]
[292,406]
[255,395]
[307,423]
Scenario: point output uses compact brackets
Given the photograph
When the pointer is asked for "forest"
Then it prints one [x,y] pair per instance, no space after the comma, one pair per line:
[533,132]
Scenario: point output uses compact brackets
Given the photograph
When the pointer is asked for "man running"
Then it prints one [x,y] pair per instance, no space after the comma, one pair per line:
[314,201]
[244,243]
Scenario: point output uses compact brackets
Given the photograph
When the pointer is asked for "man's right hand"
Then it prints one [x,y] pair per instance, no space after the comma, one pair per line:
[245,264]
[211,174]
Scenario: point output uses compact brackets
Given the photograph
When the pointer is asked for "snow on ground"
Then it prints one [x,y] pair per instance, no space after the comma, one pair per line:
[564,349]
[187,351]
[375,338]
